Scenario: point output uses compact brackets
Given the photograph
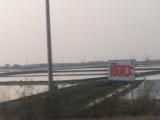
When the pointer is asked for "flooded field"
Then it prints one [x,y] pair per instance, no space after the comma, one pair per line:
[14,92]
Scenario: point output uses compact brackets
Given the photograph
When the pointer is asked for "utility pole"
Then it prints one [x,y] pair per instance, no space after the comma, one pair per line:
[49,46]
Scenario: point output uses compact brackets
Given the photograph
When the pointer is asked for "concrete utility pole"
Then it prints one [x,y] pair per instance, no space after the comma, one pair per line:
[49,46]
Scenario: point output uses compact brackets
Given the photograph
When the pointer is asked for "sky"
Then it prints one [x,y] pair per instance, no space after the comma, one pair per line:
[82,30]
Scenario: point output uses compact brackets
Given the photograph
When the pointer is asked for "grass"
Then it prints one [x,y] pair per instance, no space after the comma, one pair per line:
[71,102]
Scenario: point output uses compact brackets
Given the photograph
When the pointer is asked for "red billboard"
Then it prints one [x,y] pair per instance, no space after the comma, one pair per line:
[122,69]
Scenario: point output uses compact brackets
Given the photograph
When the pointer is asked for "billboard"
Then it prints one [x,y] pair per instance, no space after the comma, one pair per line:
[122,69]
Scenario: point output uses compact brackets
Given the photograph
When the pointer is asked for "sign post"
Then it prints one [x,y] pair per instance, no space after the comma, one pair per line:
[122,70]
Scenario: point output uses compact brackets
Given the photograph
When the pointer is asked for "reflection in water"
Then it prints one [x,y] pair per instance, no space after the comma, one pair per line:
[148,87]
[14,92]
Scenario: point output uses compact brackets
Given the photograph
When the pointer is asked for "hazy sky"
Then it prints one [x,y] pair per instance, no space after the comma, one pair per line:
[82,30]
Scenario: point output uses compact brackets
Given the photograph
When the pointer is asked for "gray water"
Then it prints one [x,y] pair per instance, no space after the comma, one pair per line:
[14,92]
[150,86]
